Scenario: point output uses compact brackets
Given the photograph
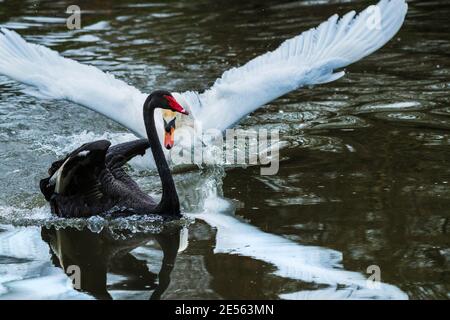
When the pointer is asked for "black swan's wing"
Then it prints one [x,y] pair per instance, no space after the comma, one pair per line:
[46,187]
[78,173]
[91,180]
[120,154]
[118,185]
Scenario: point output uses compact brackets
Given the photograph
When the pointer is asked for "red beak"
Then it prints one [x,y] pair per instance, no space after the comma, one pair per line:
[175,106]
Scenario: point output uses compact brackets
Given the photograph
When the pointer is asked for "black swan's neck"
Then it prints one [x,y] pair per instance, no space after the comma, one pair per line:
[169,203]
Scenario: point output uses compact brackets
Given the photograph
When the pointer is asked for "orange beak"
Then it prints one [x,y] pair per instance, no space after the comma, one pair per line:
[169,138]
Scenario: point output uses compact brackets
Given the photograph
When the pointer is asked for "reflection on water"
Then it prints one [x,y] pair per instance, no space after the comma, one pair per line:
[364,179]
[319,267]
[97,254]
[33,270]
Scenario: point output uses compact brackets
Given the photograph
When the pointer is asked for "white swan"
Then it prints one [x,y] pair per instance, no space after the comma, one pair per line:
[313,57]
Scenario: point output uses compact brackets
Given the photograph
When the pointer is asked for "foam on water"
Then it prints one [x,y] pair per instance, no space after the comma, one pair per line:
[17,216]
[41,216]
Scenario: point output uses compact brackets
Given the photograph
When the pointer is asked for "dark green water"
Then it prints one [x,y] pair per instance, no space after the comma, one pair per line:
[364,180]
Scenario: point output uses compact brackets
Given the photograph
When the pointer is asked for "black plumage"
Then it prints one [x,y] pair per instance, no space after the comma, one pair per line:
[92,181]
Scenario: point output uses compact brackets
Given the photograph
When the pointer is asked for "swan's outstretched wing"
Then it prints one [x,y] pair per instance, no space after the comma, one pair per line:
[120,154]
[78,172]
[57,77]
[310,58]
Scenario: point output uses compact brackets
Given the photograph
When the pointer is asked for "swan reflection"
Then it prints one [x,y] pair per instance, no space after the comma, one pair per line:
[109,253]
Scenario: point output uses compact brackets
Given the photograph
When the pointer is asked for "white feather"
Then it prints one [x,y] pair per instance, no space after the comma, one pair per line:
[310,58]
[61,78]
[307,59]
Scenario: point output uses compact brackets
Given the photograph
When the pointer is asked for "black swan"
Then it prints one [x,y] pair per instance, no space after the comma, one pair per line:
[91,181]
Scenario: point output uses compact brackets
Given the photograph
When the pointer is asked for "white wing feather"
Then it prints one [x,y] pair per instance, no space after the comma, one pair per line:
[308,59]
[62,78]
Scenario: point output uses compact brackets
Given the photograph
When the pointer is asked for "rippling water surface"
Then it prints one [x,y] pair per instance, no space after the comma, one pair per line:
[364,179]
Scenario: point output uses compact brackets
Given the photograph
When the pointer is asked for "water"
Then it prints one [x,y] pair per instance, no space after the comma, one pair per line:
[364,179]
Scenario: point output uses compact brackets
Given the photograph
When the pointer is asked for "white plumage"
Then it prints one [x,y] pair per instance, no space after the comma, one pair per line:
[62,78]
[313,57]
[308,59]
